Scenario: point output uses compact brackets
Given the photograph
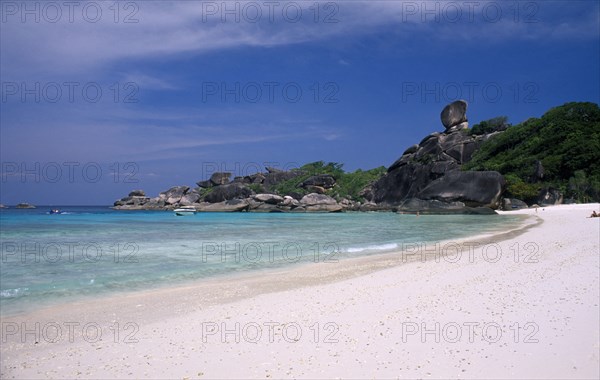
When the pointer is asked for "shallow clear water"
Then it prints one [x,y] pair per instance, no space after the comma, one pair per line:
[89,251]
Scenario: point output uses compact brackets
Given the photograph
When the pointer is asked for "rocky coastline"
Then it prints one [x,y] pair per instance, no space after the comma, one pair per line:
[427,178]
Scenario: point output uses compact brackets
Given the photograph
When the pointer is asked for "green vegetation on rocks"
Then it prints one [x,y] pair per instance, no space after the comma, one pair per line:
[348,185]
[565,140]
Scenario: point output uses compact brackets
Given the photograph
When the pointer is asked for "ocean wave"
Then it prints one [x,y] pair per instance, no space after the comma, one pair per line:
[373,248]
[14,293]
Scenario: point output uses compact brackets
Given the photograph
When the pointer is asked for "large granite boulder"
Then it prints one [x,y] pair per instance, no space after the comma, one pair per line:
[325,181]
[220,178]
[133,201]
[453,149]
[174,194]
[155,204]
[317,199]
[454,114]
[509,204]
[227,192]
[233,205]
[137,193]
[474,189]
[256,206]
[288,201]
[324,208]
[268,198]
[272,179]
[189,199]
[257,178]
[314,202]
[401,184]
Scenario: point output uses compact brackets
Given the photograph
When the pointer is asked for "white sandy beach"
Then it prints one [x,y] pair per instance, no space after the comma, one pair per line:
[517,306]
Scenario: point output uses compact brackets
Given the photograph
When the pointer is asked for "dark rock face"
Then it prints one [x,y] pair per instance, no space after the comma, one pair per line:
[174,194]
[220,178]
[474,189]
[454,114]
[428,175]
[325,181]
[227,192]
[509,204]
[132,201]
[256,178]
[204,184]
[411,149]
[137,193]
[189,199]
[437,155]
[264,207]
[297,196]
[401,184]
[268,198]
[550,197]
[538,171]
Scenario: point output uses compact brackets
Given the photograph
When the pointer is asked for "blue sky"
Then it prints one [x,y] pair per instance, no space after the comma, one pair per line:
[105,97]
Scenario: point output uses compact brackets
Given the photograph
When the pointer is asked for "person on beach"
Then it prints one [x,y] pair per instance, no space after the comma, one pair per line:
[594,215]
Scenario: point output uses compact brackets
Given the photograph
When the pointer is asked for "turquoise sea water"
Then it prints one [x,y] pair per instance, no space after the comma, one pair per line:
[91,251]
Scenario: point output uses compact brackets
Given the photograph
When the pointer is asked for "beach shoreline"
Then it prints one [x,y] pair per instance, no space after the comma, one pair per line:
[259,281]
[521,283]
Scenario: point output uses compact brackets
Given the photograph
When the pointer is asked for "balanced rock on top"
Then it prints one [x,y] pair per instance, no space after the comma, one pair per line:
[454,116]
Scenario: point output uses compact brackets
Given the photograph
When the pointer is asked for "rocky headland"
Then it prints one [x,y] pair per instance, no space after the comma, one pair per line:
[429,177]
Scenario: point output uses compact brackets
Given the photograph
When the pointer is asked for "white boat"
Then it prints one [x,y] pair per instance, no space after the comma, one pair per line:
[185,210]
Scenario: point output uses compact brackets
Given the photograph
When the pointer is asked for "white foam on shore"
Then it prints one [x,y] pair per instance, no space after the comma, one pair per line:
[14,293]
[372,248]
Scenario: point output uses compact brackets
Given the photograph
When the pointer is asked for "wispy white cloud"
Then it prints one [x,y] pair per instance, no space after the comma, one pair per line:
[172,28]
[148,82]
[83,133]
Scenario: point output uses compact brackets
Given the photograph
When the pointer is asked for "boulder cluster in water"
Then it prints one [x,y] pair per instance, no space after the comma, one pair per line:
[426,178]
[219,193]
